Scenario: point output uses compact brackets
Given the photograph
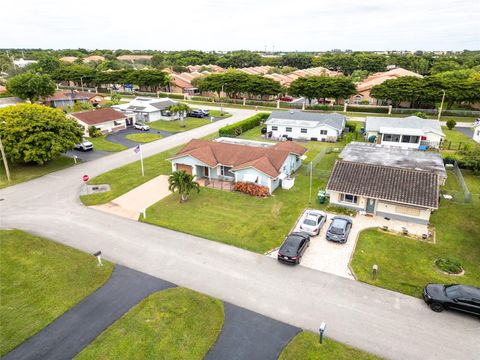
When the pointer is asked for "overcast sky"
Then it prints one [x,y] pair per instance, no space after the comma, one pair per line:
[242,24]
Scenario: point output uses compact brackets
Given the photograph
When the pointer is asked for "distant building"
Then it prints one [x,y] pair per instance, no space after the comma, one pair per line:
[476,131]
[106,120]
[9,101]
[295,124]
[410,132]
[21,63]
[364,87]
[149,109]
[66,98]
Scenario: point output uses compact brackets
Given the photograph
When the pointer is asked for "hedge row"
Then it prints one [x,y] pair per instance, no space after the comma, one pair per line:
[242,126]
[367,110]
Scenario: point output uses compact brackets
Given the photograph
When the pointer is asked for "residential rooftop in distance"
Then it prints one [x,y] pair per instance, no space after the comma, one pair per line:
[377,154]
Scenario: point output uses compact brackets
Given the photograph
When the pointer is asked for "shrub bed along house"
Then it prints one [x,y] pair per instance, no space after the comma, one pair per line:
[251,189]
[242,126]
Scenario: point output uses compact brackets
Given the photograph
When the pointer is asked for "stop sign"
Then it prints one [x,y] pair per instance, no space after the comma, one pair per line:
[86,178]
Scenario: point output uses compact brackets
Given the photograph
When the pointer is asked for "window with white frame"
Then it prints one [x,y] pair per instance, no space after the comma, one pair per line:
[274,128]
[349,198]
[225,171]
[323,132]
[391,137]
[288,129]
[303,131]
[410,139]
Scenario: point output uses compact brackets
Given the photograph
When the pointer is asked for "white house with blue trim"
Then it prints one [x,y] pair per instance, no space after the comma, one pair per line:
[235,160]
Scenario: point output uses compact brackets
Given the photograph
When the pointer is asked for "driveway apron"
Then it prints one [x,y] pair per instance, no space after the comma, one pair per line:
[78,327]
[247,335]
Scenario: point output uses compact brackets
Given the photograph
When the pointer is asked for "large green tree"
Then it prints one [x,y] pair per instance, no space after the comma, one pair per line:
[30,86]
[36,133]
[322,87]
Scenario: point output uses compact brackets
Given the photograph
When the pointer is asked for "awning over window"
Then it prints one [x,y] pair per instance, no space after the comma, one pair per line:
[282,176]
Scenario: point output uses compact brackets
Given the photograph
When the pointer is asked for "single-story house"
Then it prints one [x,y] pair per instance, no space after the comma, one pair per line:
[391,192]
[9,101]
[377,154]
[301,125]
[246,161]
[149,109]
[410,132]
[106,120]
[476,131]
[386,187]
[63,99]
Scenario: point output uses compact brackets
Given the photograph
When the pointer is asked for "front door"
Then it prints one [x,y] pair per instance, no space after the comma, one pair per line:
[370,206]
[206,171]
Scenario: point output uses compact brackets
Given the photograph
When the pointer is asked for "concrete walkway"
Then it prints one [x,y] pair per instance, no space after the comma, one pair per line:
[78,327]
[131,204]
[247,335]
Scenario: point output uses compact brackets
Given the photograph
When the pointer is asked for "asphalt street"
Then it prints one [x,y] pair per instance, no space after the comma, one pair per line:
[379,321]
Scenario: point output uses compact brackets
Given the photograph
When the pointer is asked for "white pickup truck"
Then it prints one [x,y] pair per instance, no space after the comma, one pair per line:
[84,146]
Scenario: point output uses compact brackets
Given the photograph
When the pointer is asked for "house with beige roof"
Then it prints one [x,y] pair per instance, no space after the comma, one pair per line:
[234,160]
[364,87]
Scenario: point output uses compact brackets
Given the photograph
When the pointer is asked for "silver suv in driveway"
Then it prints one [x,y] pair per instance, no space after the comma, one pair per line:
[141,126]
[339,229]
[85,145]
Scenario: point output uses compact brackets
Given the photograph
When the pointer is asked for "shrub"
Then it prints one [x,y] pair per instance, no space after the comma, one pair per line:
[420,114]
[94,132]
[380,110]
[251,189]
[449,265]
[242,126]
[451,124]
[340,210]
[351,126]
[364,102]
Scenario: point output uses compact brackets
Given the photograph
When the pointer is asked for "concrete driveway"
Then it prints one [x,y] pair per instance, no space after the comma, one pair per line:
[334,258]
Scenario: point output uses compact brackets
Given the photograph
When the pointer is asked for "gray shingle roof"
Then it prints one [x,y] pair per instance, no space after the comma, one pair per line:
[406,186]
[161,105]
[377,154]
[374,123]
[334,120]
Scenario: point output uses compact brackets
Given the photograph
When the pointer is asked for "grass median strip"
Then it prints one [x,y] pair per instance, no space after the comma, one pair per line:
[306,346]
[41,280]
[172,324]
[102,144]
[174,126]
[143,138]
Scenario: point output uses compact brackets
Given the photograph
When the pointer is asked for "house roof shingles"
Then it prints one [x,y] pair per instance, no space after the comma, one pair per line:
[98,116]
[406,186]
[267,160]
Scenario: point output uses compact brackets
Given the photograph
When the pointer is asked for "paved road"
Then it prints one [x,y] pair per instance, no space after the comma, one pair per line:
[247,335]
[386,323]
[465,130]
[78,327]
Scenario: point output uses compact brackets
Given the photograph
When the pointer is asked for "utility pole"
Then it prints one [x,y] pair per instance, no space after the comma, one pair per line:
[81,81]
[441,106]
[5,162]
[221,103]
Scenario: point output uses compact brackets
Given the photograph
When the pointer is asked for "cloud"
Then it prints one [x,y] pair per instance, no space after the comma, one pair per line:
[243,24]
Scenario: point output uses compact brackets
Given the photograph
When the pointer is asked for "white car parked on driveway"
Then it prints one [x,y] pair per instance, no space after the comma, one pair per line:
[140,126]
[313,222]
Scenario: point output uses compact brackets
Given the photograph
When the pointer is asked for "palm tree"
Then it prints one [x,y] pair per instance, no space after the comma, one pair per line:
[180,109]
[183,183]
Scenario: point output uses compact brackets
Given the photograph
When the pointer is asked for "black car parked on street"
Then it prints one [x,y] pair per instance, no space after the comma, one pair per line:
[455,297]
[293,248]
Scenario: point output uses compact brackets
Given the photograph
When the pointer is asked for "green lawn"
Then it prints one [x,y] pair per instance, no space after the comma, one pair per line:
[40,280]
[24,172]
[171,324]
[174,126]
[406,265]
[129,176]
[306,346]
[456,137]
[143,138]
[102,144]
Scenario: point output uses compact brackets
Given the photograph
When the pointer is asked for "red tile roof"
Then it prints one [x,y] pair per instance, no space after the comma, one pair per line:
[69,95]
[268,160]
[99,116]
